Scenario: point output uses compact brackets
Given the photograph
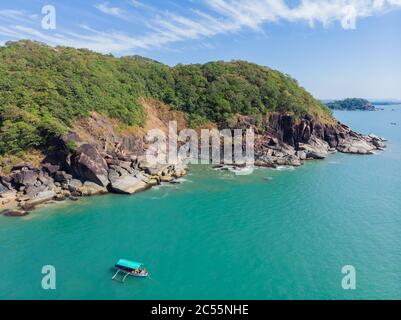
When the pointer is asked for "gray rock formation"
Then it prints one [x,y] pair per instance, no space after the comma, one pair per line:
[92,169]
[128,185]
[88,164]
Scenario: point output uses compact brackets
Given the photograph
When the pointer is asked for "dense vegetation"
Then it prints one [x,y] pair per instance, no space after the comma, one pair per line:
[44,89]
[351,104]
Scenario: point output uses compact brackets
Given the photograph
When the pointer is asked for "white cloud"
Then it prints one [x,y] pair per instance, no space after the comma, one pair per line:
[105,8]
[222,17]
[253,13]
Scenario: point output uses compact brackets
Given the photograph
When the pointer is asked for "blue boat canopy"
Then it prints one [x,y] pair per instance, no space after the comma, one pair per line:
[129,264]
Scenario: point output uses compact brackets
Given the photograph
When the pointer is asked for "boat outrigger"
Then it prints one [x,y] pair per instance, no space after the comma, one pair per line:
[130,269]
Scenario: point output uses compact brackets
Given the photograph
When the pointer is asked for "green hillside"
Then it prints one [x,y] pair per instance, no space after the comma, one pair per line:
[44,89]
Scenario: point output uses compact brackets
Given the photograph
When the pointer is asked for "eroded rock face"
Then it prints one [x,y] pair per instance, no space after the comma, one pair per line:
[88,164]
[283,141]
[289,142]
[315,149]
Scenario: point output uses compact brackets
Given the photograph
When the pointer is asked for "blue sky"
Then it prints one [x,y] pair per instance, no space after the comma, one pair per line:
[334,48]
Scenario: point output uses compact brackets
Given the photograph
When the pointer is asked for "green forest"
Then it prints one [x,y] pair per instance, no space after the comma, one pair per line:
[351,104]
[43,90]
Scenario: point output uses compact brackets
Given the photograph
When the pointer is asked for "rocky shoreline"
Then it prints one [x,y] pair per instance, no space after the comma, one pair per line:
[27,187]
[93,170]
[287,142]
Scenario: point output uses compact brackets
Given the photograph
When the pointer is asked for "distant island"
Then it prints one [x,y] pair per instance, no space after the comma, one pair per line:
[352,104]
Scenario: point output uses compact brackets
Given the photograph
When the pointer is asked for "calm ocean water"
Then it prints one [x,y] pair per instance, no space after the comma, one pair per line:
[272,235]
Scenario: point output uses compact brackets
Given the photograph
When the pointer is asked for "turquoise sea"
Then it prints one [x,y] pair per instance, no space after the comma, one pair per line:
[276,234]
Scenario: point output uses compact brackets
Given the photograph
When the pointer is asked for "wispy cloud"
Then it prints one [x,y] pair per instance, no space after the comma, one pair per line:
[216,17]
[107,9]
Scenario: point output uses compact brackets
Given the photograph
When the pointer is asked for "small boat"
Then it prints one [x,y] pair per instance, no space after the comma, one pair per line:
[130,269]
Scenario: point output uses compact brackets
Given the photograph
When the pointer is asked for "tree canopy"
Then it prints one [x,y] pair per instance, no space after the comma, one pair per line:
[43,90]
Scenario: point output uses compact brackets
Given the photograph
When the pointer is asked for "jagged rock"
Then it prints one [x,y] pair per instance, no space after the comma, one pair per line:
[152,169]
[355,145]
[88,164]
[378,144]
[302,155]
[179,171]
[62,177]
[111,161]
[126,166]
[60,197]
[128,185]
[74,185]
[26,177]
[315,149]
[46,180]
[33,191]
[6,181]
[166,178]
[90,188]
[375,137]
[51,169]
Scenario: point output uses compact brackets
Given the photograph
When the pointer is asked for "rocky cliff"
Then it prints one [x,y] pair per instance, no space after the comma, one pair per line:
[84,117]
[109,161]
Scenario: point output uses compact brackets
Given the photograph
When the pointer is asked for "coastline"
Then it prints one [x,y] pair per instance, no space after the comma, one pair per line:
[91,172]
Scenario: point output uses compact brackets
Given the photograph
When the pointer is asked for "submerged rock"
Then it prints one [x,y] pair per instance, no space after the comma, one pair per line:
[41,197]
[14,213]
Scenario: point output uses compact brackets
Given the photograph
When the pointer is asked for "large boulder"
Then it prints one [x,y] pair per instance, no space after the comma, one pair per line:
[315,149]
[41,197]
[74,185]
[90,189]
[32,191]
[62,177]
[87,164]
[25,177]
[51,169]
[356,145]
[128,185]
